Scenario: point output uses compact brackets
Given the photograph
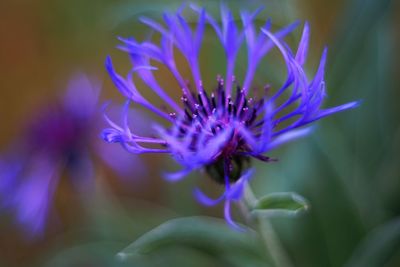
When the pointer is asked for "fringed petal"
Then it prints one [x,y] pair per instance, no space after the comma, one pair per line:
[205,200]
[302,49]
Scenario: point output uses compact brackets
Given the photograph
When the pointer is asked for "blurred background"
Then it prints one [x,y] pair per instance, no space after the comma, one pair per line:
[348,169]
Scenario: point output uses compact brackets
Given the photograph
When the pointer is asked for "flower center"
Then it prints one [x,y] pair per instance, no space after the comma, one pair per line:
[221,108]
[209,115]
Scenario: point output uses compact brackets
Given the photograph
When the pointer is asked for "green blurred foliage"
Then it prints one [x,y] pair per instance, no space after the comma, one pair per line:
[208,236]
[347,170]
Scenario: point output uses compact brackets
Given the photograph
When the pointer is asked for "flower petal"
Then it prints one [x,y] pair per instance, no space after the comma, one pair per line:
[201,197]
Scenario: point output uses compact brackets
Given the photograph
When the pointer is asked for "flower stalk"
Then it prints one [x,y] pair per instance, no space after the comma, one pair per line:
[271,240]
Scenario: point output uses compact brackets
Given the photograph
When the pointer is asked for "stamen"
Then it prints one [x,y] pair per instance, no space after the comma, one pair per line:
[221,99]
[213,101]
[186,103]
[230,104]
[200,97]
[189,117]
[239,94]
[252,118]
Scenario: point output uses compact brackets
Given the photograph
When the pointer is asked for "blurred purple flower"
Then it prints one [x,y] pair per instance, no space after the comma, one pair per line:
[58,140]
[220,130]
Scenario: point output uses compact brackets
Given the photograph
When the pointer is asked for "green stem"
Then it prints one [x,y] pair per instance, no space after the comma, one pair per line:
[271,240]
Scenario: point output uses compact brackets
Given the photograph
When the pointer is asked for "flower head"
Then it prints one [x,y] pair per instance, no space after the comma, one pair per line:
[59,139]
[222,129]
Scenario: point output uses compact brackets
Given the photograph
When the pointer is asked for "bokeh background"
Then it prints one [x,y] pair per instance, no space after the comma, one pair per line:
[348,169]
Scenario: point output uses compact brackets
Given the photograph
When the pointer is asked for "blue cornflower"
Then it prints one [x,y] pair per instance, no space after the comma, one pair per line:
[220,130]
[58,140]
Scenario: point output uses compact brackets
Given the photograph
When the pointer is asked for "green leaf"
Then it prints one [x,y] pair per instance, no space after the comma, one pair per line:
[100,253]
[280,204]
[210,236]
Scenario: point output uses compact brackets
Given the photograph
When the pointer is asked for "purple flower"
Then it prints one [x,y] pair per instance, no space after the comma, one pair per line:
[58,140]
[220,130]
